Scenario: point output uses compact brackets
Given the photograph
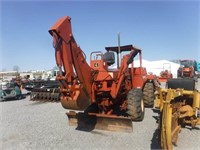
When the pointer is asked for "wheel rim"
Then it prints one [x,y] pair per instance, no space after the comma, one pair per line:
[13,93]
[142,105]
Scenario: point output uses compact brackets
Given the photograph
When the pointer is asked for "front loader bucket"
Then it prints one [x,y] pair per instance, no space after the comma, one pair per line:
[91,121]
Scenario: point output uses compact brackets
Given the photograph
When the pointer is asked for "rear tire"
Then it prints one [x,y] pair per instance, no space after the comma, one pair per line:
[135,105]
[19,97]
[148,95]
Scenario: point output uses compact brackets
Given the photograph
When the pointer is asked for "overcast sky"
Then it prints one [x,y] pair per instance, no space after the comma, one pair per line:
[163,30]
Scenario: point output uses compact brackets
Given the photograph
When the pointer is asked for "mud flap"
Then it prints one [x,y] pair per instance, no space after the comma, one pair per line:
[91,121]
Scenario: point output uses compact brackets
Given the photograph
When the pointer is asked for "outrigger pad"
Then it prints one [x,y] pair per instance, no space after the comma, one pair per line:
[183,83]
[91,121]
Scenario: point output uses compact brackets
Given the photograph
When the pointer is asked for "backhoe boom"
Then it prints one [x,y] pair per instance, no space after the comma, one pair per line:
[74,79]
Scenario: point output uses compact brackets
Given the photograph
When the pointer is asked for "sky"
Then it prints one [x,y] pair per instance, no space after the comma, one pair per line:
[164,30]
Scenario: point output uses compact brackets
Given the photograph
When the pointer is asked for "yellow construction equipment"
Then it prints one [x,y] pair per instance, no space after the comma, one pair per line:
[179,107]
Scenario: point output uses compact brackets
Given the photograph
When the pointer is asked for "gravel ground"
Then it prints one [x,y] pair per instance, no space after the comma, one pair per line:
[27,125]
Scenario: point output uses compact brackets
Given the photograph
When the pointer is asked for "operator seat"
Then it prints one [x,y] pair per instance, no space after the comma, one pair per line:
[109,58]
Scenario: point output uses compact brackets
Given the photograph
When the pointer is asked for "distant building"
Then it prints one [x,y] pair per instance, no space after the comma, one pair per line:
[8,75]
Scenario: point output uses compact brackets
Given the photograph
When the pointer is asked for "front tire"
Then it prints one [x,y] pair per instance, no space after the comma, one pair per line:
[135,105]
[18,97]
[148,95]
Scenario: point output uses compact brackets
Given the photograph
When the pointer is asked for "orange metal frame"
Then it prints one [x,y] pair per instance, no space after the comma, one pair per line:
[164,76]
[81,84]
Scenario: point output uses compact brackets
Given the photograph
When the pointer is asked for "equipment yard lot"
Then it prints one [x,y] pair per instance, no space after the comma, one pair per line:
[35,125]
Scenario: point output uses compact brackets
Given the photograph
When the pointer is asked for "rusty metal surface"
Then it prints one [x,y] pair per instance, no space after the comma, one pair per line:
[79,101]
[45,95]
[91,121]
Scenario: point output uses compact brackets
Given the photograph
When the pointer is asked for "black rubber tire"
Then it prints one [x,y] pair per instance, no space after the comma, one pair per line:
[148,95]
[183,83]
[19,97]
[135,105]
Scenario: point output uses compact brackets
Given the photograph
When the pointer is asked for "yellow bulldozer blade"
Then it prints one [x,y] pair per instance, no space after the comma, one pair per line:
[91,121]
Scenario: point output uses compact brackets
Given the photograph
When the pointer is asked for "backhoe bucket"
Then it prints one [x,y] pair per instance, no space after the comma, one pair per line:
[91,121]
